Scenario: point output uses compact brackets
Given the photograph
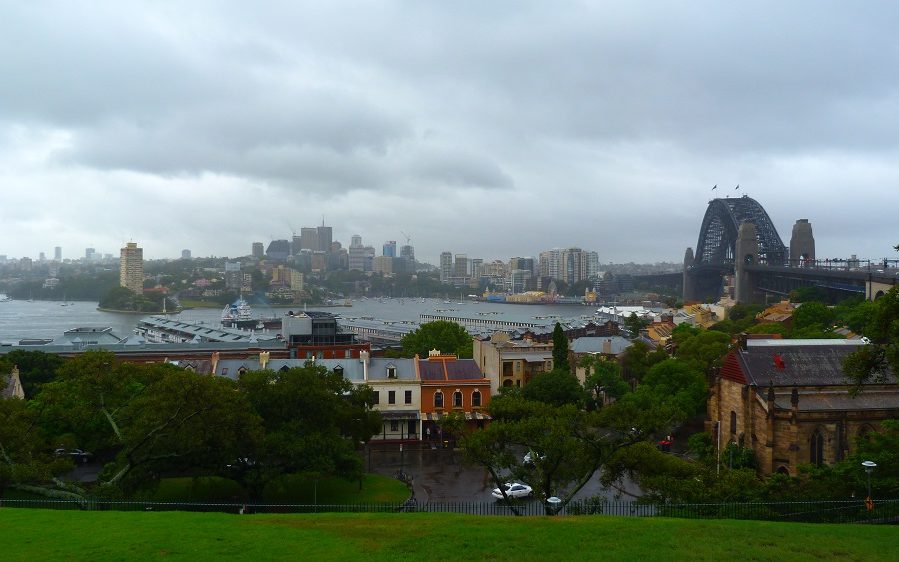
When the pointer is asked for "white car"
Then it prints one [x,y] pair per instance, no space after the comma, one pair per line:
[513,490]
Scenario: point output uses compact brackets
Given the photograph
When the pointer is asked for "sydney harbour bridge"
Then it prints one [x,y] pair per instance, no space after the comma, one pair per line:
[737,238]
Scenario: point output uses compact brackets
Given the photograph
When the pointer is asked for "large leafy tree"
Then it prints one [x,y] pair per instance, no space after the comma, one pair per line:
[602,380]
[873,362]
[447,337]
[701,349]
[183,423]
[569,444]
[556,387]
[812,317]
[638,358]
[313,420]
[83,406]
[35,368]
[25,454]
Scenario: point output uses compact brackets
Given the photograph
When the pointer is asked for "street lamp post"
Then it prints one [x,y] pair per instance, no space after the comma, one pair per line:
[869,468]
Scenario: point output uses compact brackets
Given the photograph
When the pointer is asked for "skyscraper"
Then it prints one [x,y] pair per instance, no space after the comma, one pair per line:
[446,266]
[325,237]
[389,249]
[308,239]
[57,253]
[258,250]
[131,268]
[460,267]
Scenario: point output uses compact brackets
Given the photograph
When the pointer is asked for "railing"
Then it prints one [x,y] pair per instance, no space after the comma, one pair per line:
[848,511]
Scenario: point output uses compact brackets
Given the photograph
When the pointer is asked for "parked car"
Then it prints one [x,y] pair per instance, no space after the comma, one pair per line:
[77,455]
[513,490]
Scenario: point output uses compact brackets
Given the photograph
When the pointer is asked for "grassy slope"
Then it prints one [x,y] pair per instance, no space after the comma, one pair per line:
[48,535]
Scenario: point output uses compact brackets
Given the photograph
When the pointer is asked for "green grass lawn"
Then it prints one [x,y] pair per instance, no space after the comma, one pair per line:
[31,534]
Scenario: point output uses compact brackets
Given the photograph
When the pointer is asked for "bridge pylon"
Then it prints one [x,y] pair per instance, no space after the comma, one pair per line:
[746,252]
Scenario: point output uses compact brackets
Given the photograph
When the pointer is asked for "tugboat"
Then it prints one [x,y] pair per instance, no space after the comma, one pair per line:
[239,315]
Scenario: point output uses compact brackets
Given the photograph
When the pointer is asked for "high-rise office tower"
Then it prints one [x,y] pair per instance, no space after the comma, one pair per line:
[308,239]
[325,237]
[57,253]
[389,249]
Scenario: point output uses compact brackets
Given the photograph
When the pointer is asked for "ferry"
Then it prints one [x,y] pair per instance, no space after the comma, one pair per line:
[239,315]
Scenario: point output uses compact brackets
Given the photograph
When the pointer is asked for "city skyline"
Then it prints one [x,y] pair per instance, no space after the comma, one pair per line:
[496,129]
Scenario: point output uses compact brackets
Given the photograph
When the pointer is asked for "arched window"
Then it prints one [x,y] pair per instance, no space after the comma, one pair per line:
[816,449]
[476,398]
[783,470]
[438,399]
[733,422]
[457,399]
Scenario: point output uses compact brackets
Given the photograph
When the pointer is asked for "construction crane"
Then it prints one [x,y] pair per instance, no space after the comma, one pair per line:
[408,238]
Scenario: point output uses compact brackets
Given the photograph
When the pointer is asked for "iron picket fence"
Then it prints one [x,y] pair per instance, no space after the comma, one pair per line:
[841,511]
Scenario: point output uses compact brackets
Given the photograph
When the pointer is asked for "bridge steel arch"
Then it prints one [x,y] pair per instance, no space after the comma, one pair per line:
[720,225]
[715,249]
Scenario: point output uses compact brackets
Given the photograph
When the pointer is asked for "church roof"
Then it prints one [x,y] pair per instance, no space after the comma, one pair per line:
[791,363]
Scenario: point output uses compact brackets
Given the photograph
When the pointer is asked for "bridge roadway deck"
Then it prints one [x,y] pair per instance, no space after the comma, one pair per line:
[887,276]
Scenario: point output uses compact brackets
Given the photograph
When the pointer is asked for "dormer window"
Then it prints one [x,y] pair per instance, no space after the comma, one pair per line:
[391,371]
[338,370]
[284,369]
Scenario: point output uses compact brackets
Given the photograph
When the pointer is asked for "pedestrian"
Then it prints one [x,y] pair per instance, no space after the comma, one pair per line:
[428,433]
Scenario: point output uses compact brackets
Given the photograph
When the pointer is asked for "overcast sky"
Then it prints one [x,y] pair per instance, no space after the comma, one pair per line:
[493,128]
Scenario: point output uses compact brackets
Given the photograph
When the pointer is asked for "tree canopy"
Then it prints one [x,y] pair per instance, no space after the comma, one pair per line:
[448,337]
[873,362]
[144,422]
[560,349]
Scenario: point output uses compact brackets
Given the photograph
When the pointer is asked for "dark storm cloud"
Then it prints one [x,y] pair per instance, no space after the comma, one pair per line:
[563,123]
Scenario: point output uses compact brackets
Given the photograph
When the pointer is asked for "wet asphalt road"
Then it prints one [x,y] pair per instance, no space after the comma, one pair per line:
[441,475]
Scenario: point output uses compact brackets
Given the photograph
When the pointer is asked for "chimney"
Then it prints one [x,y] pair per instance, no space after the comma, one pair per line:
[215,362]
[607,346]
[794,398]
[364,359]
[263,359]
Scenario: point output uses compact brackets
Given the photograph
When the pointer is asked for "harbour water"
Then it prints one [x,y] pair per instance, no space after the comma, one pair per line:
[49,319]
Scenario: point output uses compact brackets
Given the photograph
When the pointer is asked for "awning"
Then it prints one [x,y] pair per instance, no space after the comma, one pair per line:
[399,414]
